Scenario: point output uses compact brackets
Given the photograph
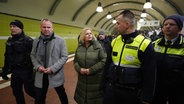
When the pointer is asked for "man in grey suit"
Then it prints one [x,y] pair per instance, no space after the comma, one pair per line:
[49,54]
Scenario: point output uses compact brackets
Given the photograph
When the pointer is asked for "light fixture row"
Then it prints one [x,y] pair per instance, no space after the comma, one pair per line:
[147,5]
[100,9]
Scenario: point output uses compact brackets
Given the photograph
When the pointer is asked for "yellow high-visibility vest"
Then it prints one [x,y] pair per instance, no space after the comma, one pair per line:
[129,51]
[170,50]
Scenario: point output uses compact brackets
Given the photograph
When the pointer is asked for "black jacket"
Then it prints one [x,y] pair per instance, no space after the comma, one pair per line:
[170,63]
[17,53]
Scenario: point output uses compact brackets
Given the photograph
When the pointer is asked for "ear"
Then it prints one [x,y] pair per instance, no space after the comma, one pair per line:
[127,24]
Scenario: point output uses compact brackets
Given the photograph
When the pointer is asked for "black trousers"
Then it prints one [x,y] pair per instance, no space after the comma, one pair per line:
[169,93]
[42,92]
[5,72]
[116,95]
[19,79]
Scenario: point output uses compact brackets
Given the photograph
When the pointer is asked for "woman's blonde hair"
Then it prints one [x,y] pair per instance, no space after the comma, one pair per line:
[82,34]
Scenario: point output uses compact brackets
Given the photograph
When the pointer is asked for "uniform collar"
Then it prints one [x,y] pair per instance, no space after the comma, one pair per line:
[176,42]
[172,40]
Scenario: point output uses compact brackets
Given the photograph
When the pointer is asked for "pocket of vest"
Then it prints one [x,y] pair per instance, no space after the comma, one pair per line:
[129,76]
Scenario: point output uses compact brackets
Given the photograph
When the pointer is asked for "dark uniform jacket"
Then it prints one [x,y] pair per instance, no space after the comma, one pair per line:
[17,54]
[148,68]
[170,62]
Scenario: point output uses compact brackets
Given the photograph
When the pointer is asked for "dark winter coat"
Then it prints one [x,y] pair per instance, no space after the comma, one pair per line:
[88,89]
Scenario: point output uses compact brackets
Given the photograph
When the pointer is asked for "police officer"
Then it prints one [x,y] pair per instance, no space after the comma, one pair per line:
[133,65]
[17,56]
[170,62]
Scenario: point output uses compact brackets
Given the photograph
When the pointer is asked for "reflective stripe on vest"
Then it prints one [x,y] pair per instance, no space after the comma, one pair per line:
[170,50]
[130,51]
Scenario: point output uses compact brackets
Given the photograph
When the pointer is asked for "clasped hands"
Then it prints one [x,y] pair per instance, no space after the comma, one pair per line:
[84,71]
[45,70]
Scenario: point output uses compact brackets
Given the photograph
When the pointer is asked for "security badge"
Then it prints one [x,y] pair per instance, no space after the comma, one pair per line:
[129,57]
[157,49]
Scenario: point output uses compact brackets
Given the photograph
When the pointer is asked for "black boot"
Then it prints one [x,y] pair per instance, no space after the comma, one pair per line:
[5,77]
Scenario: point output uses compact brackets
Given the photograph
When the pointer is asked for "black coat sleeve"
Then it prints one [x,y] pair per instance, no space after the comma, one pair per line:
[148,72]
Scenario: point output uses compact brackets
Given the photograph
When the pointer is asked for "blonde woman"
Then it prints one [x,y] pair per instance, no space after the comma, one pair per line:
[89,61]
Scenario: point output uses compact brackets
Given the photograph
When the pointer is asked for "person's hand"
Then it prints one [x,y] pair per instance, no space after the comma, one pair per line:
[48,71]
[41,69]
[83,71]
[144,102]
[87,71]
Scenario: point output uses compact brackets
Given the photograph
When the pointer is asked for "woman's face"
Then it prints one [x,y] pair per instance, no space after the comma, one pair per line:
[88,36]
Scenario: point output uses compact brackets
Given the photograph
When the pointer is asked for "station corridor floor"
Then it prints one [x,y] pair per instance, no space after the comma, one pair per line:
[6,96]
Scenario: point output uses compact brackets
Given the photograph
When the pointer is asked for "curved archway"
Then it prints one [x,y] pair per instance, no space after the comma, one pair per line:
[119,10]
[54,6]
[134,2]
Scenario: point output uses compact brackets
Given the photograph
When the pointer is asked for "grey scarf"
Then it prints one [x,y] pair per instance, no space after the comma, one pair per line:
[43,48]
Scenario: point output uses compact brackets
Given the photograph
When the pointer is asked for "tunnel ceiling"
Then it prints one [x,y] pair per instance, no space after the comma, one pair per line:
[82,13]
